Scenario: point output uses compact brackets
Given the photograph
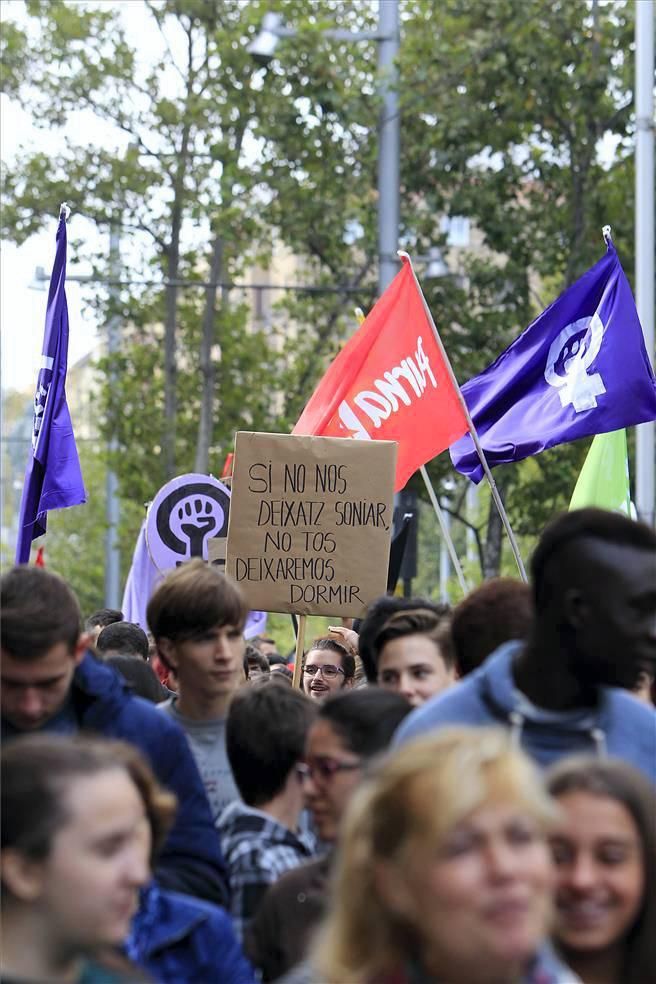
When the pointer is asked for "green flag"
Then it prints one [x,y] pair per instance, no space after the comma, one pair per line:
[604,478]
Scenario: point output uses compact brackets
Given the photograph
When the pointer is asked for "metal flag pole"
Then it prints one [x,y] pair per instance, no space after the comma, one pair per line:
[470,424]
[446,536]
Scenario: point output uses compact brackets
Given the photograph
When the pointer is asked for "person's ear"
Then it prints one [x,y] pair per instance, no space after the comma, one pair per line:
[81,646]
[167,650]
[575,608]
[22,876]
[391,886]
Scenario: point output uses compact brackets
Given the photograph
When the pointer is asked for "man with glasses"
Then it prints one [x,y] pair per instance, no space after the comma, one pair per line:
[329,668]
[265,739]
[349,730]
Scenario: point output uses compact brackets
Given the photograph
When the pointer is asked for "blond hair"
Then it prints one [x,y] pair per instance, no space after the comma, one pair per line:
[413,800]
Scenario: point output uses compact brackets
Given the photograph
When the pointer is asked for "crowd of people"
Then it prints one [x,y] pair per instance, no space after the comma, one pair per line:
[452,796]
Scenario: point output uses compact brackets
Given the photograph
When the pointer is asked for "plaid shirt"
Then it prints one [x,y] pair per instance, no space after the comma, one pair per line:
[257,851]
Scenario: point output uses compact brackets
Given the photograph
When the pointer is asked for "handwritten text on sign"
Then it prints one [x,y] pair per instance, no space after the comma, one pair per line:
[310,522]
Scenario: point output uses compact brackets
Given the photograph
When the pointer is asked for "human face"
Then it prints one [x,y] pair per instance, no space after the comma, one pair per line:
[89,883]
[328,796]
[33,691]
[480,903]
[211,665]
[413,667]
[599,872]
[617,618]
[320,686]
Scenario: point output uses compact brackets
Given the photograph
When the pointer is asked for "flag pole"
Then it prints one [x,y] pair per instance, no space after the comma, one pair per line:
[472,430]
[446,536]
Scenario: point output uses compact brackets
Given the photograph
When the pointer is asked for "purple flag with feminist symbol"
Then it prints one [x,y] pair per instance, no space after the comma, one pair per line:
[579,369]
[52,478]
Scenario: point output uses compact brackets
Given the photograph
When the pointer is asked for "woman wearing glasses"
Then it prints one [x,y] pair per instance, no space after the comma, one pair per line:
[350,729]
[329,668]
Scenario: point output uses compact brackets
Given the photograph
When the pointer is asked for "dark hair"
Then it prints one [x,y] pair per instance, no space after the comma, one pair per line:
[615,780]
[193,599]
[494,612]
[378,612]
[126,638]
[265,738]
[255,658]
[419,621]
[140,676]
[588,524]
[36,772]
[39,611]
[365,719]
[104,616]
[275,659]
[282,671]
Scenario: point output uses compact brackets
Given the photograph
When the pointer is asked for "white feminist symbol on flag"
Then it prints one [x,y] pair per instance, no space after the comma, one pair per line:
[571,354]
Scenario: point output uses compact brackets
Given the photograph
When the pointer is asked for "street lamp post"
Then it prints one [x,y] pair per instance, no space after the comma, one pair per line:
[262,49]
[644,237]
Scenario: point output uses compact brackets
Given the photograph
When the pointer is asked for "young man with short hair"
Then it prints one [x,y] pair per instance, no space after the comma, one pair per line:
[266,734]
[52,682]
[197,618]
[99,620]
[123,639]
[564,690]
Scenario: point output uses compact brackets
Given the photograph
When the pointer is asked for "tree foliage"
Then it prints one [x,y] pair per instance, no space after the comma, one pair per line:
[506,113]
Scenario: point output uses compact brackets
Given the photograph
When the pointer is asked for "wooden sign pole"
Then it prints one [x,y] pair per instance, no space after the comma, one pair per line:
[300,643]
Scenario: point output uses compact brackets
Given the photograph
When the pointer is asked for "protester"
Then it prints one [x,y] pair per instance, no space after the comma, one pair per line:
[51,683]
[266,732]
[443,872]
[496,611]
[328,668]
[604,848]
[76,839]
[258,665]
[414,654]
[140,677]
[594,586]
[97,621]
[197,617]
[378,613]
[123,639]
[350,729]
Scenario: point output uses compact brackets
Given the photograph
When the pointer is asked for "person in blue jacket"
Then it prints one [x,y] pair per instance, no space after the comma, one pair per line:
[176,938]
[51,682]
[566,689]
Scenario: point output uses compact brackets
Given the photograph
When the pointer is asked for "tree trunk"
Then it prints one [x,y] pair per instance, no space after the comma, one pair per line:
[205,420]
[493,539]
[170,324]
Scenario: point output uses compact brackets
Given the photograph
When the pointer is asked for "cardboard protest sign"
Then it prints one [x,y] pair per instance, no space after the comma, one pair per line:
[310,522]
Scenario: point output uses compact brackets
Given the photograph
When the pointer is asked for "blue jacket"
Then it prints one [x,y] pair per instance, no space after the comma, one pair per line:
[619,725]
[191,860]
[180,940]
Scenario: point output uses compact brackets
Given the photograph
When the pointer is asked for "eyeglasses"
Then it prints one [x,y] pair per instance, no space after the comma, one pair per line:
[325,768]
[329,671]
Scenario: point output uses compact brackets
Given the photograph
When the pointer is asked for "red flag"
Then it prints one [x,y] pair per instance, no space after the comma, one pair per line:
[390,383]
[39,560]
[227,466]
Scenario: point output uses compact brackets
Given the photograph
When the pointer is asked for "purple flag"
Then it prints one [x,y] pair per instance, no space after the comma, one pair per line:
[579,369]
[52,478]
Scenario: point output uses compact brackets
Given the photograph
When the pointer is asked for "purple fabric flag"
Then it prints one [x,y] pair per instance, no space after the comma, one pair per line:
[141,582]
[52,478]
[579,369]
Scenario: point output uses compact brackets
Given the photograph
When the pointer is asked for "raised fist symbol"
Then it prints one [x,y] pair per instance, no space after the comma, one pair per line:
[196,522]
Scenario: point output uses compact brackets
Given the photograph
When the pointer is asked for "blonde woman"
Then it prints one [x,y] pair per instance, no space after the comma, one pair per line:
[444,872]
